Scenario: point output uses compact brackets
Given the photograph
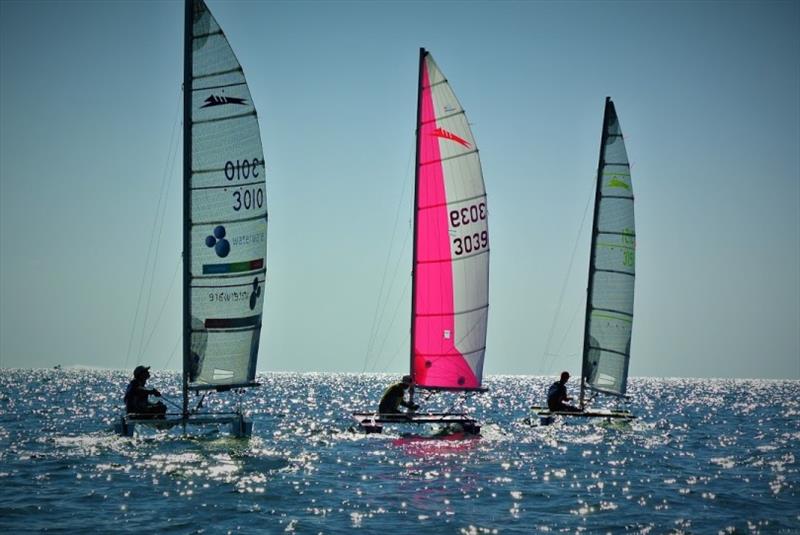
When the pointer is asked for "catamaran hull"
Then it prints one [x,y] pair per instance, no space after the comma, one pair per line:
[240,425]
[547,417]
[371,422]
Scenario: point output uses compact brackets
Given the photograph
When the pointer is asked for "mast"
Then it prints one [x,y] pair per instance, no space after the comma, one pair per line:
[187,198]
[422,54]
[589,288]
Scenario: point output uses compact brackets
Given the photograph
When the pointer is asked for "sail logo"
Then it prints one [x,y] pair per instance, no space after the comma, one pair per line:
[214,100]
[617,183]
[217,240]
[441,132]
[256,293]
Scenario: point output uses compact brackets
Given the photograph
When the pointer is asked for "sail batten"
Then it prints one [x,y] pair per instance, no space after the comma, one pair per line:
[455,156]
[225,213]
[452,202]
[451,243]
[612,271]
[442,117]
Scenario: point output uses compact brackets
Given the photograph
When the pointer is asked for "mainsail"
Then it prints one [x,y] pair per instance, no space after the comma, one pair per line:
[225,212]
[450,297]
[612,268]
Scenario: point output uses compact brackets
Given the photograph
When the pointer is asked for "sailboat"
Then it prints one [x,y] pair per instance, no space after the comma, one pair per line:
[608,321]
[450,267]
[224,227]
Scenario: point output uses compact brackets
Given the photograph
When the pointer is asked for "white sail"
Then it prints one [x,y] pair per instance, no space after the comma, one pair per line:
[226,220]
[612,269]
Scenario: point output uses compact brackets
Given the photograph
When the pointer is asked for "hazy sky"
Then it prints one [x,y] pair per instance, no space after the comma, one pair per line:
[708,95]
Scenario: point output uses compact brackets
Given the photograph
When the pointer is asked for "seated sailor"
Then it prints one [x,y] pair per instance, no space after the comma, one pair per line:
[136,396]
[394,396]
[557,395]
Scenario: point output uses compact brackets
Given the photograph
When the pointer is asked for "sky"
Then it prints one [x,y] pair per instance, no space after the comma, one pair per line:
[708,96]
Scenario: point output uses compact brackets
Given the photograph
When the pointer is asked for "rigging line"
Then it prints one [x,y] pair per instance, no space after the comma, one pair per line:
[373,329]
[174,350]
[385,301]
[147,260]
[164,305]
[389,327]
[544,365]
[578,307]
[385,367]
[161,211]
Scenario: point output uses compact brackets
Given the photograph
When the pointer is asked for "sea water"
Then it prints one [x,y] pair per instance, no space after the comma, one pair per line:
[703,456]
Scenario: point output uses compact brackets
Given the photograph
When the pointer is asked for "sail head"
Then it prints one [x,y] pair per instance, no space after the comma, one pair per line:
[613,267]
[451,268]
[227,220]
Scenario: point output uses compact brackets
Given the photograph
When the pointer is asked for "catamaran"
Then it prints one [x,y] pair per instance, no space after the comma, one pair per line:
[450,267]
[224,227]
[612,271]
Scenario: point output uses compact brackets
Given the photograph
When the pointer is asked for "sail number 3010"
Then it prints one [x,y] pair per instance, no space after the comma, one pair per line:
[242,169]
[248,199]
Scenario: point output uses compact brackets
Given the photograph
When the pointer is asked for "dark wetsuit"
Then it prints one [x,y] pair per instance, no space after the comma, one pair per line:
[136,401]
[392,399]
[556,395]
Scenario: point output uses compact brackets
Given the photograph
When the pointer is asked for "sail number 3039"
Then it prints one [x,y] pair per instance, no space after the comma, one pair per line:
[465,216]
[468,244]
[468,214]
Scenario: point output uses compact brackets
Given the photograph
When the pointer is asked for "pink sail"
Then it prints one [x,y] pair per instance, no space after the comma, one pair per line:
[451,267]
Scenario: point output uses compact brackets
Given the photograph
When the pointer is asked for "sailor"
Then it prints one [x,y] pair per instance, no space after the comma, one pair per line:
[557,395]
[136,396]
[394,396]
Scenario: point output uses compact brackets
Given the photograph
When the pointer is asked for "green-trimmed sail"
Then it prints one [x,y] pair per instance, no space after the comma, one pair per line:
[612,267]
[225,211]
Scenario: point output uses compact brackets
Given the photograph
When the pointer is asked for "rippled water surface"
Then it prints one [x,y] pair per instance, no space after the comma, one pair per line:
[705,456]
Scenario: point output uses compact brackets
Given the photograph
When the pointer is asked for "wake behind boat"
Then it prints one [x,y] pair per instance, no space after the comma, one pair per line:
[224,228]
[609,304]
[450,268]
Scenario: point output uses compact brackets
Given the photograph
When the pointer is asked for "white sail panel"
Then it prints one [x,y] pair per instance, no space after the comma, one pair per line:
[610,306]
[231,248]
[223,362]
[239,301]
[228,219]
[239,202]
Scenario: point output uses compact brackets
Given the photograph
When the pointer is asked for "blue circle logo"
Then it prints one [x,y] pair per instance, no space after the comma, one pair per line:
[217,240]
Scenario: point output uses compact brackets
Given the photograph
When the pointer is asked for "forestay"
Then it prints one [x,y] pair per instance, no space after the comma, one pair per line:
[227,222]
[451,257]
[609,311]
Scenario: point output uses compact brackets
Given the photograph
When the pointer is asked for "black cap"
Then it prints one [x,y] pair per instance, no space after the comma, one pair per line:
[140,371]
